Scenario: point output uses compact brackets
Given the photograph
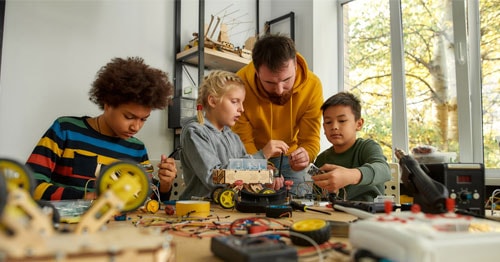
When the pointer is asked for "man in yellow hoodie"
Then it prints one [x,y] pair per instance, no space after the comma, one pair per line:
[283,101]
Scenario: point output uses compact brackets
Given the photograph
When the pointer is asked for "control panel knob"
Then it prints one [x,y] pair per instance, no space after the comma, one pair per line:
[476,195]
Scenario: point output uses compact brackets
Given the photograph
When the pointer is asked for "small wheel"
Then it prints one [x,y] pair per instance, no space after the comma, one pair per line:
[113,172]
[226,198]
[3,194]
[216,194]
[317,229]
[152,206]
[17,174]
[267,191]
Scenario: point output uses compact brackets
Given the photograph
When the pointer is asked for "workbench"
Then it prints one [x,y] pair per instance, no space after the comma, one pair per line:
[193,243]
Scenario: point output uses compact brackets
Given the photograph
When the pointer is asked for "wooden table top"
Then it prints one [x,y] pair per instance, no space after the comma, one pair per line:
[191,238]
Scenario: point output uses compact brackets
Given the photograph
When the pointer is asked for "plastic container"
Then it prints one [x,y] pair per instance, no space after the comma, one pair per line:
[71,208]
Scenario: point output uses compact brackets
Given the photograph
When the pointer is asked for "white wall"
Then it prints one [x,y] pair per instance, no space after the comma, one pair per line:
[52,50]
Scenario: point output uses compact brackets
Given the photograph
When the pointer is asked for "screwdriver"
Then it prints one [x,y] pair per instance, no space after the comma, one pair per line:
[297,206]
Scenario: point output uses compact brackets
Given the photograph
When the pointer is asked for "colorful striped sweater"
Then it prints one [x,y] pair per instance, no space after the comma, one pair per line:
[70,154]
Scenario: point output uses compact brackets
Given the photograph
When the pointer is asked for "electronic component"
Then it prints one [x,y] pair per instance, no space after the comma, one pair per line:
[465,184]
[314,170]
[416,236]
[249,202]
[250,249]
[428,193]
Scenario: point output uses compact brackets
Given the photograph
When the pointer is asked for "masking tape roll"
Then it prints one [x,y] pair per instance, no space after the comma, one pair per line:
[193,208]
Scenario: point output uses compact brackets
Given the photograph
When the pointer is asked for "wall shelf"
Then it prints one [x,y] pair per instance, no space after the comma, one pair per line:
[213,59]
[200,57]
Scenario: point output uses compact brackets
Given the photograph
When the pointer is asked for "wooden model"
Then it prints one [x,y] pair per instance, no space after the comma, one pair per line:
[27,232]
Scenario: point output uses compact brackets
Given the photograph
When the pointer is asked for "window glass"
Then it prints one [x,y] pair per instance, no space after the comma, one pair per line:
[429,67]
[490,71]
[367,70]
[431,90]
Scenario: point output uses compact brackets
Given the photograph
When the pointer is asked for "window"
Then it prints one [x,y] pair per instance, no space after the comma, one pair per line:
[421,76]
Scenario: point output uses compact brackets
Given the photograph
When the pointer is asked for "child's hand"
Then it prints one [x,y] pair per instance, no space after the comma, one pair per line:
[274,147]
[299,159]
[277,183]
[166,173]
[336,177]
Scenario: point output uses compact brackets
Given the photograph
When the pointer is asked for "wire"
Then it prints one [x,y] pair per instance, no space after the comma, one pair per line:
[86,187]
[308,239]
[493,196]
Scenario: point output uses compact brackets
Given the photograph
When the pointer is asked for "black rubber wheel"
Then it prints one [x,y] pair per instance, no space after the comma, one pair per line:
[216,194]
[317,229]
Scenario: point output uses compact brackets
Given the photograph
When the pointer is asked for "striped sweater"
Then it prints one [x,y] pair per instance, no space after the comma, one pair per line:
[70,154]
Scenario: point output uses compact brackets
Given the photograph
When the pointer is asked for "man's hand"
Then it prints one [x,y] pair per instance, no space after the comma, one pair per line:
[274,147]
[167,172]
[299,159]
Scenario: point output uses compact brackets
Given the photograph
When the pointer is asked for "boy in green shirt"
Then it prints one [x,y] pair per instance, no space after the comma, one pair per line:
[355,165]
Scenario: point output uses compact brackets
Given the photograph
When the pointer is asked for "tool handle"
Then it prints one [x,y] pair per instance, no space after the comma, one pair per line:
[298,206]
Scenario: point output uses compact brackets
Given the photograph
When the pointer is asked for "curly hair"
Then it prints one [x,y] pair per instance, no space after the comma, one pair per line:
[130,80]
[274,51]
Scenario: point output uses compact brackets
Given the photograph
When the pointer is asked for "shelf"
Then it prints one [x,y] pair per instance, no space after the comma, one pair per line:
[214,59]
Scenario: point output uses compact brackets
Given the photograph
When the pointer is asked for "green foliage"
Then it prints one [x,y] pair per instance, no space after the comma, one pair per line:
[427,38]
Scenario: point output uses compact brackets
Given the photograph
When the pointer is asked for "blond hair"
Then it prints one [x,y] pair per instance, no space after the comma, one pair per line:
[217,83]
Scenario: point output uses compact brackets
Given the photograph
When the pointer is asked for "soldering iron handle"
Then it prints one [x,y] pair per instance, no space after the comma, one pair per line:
[298,206]
[427,189]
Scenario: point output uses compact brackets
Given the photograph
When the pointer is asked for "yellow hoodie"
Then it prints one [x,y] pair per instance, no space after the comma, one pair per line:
[297,122]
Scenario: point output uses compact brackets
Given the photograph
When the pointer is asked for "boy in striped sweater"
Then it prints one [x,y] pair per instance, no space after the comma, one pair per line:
[69,156]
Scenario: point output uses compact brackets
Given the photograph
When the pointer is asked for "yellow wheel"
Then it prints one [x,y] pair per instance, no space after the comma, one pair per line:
[216,194]
[317,229]
[125,170]
[152,206]
[267,191]
[226,198]
[17,174]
